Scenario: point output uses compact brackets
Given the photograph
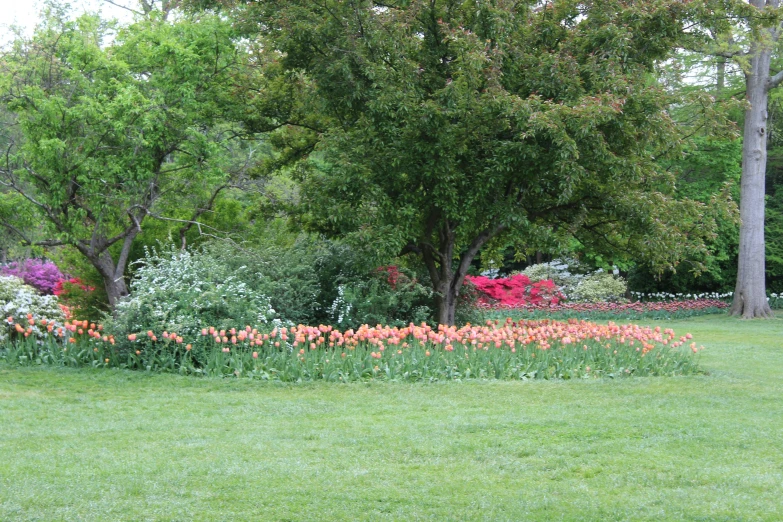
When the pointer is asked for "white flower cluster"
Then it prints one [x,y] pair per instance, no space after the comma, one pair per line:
[667,296]
[576,284]
[18,299]
[184,292]
[340,309]
[563,272]
[775,296]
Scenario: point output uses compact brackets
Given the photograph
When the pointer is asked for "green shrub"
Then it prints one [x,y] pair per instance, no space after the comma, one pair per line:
[286,275]
[600,286]
[182,292]
[18,299]
[319,281]
[467,310]
[389,296]
[300,278]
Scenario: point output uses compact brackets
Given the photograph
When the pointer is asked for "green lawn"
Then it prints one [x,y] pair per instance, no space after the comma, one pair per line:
[116,445]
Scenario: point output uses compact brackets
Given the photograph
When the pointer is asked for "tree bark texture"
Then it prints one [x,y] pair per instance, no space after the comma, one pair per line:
[447,279]
[112,272]
[113,277]
[750,296]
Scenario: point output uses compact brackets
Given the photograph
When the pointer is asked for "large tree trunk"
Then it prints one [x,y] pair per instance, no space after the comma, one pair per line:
[447,303]
[447,280]
[113,278]
[112,272]
[750,296]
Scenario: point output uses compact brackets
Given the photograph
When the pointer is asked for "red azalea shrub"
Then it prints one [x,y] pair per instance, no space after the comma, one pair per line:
[64,287]
[514,291]
[80,299]
[393,274]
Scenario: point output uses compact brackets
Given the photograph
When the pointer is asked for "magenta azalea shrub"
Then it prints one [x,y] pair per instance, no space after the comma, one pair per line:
[514,291]
[41,275]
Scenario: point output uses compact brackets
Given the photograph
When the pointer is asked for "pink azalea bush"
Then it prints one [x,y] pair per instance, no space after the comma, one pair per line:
[514,291]
[41,275]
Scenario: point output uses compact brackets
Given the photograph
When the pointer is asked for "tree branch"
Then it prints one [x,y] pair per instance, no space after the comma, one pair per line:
[27,241]
[410,248]
[429,262]
[127,243]
[124,7]
[198,212]
[475,245]
[774,81]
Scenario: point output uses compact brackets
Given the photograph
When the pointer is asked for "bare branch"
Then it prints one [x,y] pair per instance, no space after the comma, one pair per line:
[198,212]
[124,7]
[198,224]
[27,241]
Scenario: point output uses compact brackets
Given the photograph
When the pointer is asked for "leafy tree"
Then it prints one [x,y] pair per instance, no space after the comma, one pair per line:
[709,168]
[443,127]
[748,33]
[103,134]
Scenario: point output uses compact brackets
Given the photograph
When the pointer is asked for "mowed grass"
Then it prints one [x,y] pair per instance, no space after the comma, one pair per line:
[118,445]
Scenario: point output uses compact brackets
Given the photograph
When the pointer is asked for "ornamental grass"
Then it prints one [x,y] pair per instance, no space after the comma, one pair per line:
[511,350]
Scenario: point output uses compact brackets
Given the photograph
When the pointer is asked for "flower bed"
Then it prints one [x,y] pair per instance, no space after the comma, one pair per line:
[638,310]
[496,350]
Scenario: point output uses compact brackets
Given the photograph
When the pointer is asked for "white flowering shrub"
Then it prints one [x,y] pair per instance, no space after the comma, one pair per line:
[565,273]
[577,284]
[183,292]
[18,299]
[600,287]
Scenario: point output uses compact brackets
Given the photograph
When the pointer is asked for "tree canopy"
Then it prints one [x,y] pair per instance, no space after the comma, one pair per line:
[446,127]
[106,127]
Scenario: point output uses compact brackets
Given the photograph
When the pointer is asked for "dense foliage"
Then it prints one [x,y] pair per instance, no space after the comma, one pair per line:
[318,281]
[421,141]
[181,293]
[104,128]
